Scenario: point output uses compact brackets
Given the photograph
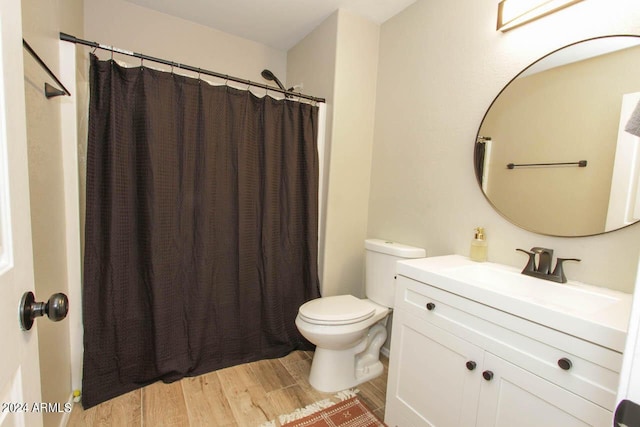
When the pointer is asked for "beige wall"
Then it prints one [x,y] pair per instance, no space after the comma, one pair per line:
[42,21]
[571,113]
[128,26]
[351,150]
[441,65]
[339,61]
[313,62]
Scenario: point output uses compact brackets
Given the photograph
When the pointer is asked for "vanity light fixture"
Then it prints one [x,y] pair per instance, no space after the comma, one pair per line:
[513,13]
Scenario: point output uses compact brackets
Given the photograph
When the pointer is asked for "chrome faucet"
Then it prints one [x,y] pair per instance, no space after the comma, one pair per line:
[542,269]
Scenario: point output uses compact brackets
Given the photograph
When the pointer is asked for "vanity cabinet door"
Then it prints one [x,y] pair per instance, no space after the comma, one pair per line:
[434,376]
[515,397]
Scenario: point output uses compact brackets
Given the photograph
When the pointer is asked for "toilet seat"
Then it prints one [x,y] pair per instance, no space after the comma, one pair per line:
[336,310]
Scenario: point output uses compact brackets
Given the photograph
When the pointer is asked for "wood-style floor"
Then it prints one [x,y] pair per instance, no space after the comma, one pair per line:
[244,395]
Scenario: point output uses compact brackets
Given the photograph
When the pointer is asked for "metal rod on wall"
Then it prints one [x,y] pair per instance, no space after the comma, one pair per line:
[580,164]
[49,91]
[72,39]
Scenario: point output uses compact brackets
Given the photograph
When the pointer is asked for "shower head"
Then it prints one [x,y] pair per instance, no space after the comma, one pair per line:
[268,75]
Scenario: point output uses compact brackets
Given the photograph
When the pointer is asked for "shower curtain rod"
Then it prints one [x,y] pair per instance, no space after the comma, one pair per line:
[73,39]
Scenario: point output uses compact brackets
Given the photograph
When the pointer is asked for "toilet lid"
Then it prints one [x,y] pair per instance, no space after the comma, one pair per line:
[336,310]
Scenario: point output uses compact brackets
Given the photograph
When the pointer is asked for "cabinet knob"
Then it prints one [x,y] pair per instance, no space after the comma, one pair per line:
[565,363]
[471,365]
[430,306]
[487,375]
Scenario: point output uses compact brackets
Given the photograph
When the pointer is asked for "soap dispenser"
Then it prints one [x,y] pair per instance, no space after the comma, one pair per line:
[479,246]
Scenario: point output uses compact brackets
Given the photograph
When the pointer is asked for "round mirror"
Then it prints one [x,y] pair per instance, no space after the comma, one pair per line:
[552,154]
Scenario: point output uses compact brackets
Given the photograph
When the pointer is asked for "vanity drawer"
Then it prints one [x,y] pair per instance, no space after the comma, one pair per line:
[591,371]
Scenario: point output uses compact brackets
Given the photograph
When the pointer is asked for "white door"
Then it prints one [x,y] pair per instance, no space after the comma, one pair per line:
[19,366]
[629,387]
[624,201]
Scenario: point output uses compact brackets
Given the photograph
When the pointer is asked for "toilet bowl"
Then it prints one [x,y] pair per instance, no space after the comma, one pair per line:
[343,336]
[348,332]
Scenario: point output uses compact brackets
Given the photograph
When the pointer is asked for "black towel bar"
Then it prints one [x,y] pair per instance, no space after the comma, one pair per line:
[580,164]
[49,91]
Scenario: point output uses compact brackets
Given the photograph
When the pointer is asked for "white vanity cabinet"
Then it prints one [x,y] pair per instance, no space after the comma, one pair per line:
[459,362]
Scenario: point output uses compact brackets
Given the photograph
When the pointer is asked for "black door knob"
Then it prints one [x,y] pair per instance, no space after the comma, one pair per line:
[430,306]
[471,365]
[56,309]
[565,363]
[487,375]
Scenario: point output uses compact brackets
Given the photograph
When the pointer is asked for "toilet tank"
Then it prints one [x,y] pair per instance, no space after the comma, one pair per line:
[380,267]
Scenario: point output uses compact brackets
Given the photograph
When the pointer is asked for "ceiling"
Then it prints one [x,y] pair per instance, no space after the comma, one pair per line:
[276,23]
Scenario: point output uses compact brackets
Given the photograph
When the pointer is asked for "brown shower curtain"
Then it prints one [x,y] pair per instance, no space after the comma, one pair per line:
[201,227]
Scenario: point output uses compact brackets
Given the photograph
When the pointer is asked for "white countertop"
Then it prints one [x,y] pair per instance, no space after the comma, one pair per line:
[595,314]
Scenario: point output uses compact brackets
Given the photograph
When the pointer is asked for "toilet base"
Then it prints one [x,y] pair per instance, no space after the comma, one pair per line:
[336,370]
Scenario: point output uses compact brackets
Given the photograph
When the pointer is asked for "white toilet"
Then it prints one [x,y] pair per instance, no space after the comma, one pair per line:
[348,332]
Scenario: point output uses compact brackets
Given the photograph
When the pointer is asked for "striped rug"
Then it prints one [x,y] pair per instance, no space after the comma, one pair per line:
[349,413]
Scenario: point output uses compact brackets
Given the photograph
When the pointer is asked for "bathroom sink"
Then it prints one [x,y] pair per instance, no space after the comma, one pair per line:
[599,315]
[568,297]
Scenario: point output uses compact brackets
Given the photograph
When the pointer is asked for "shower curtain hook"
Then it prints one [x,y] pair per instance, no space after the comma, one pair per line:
[112,54]
[94,50]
